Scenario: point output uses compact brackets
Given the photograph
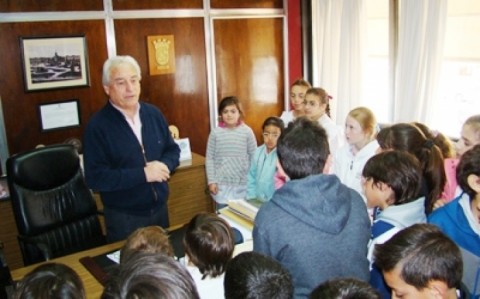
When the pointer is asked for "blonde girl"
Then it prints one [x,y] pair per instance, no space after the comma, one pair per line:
[360,133]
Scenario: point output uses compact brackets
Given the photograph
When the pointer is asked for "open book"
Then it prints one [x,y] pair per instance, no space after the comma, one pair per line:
[245,208]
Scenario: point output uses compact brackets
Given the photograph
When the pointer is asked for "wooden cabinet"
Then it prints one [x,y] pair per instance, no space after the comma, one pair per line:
[188,195]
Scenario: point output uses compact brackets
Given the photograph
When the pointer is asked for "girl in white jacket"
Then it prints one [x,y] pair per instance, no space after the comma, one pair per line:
[360,133]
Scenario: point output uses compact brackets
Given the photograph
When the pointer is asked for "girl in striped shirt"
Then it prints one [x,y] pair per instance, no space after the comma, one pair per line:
[230,149]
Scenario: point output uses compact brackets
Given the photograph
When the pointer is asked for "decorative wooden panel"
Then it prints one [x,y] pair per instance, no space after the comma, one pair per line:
[182,96]
[155,4]
[249,64]
[246,4]
[20,108]
[50,5]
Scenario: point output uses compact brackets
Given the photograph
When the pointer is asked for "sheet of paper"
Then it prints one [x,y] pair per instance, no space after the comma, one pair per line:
[114,256]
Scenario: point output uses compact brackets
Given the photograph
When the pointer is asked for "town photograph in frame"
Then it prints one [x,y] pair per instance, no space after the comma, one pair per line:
[54,62]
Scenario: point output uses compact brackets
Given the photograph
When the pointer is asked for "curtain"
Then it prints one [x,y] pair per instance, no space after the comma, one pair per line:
[420,52]
[338,29]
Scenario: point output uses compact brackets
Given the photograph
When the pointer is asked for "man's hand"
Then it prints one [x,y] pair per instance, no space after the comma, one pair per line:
[156,171]
[213,188]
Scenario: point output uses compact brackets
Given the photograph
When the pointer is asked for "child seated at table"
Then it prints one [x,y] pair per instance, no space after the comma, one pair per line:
[150,275]
[147,239]
[345,288]
[254,275]
[50,280]
[209,245]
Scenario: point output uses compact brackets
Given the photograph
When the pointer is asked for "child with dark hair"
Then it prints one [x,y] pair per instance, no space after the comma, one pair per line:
[408,137]
[297,98]
[252,275]
[148,275]
[147,239]
[315,226]
[459,219]
[345,288]
[391,185]
[260,182]
[444,143]
[317,108]
[209,245]
[420,262]
[230,149]
[50,280]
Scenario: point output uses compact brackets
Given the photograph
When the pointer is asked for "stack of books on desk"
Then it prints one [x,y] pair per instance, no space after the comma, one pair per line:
[245,208]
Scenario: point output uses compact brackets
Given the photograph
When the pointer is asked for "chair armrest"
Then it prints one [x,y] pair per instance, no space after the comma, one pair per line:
[42,247]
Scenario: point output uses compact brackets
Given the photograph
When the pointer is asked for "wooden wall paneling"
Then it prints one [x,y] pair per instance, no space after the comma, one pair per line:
[181,96]
[249,65]
[155,4]
[246,4]
[50,5]
[21,117]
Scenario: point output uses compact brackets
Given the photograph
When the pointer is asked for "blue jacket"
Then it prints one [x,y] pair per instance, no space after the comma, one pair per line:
[317,228]
[260,183]
[386,224]
[451,219]
[114,159]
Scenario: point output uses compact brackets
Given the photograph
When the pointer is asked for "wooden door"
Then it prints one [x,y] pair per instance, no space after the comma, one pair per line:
[249,64]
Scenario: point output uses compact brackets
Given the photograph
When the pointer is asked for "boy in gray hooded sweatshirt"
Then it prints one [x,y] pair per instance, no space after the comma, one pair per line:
[315,226]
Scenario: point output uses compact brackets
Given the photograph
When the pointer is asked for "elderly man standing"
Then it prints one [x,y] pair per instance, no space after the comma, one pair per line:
[129,153]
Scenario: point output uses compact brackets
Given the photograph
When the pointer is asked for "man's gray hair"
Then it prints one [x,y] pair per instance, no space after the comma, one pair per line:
[115,61]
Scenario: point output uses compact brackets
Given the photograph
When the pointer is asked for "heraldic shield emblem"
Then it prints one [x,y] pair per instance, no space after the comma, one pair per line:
[161,54]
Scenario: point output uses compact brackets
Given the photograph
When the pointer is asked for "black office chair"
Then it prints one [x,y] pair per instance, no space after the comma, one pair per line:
[55,212]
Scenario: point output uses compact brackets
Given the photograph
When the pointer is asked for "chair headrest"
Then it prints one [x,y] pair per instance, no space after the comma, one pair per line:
[43,168]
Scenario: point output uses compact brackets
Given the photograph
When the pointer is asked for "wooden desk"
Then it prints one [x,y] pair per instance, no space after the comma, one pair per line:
[187,191]
[93,288]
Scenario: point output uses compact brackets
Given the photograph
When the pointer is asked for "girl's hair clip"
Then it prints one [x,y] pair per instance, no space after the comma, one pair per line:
[329,97]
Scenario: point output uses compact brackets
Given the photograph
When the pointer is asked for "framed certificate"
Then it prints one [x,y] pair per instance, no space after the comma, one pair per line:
[58,115]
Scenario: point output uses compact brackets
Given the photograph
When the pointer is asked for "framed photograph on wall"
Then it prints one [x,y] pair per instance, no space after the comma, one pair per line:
[59,115]
[54,62]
